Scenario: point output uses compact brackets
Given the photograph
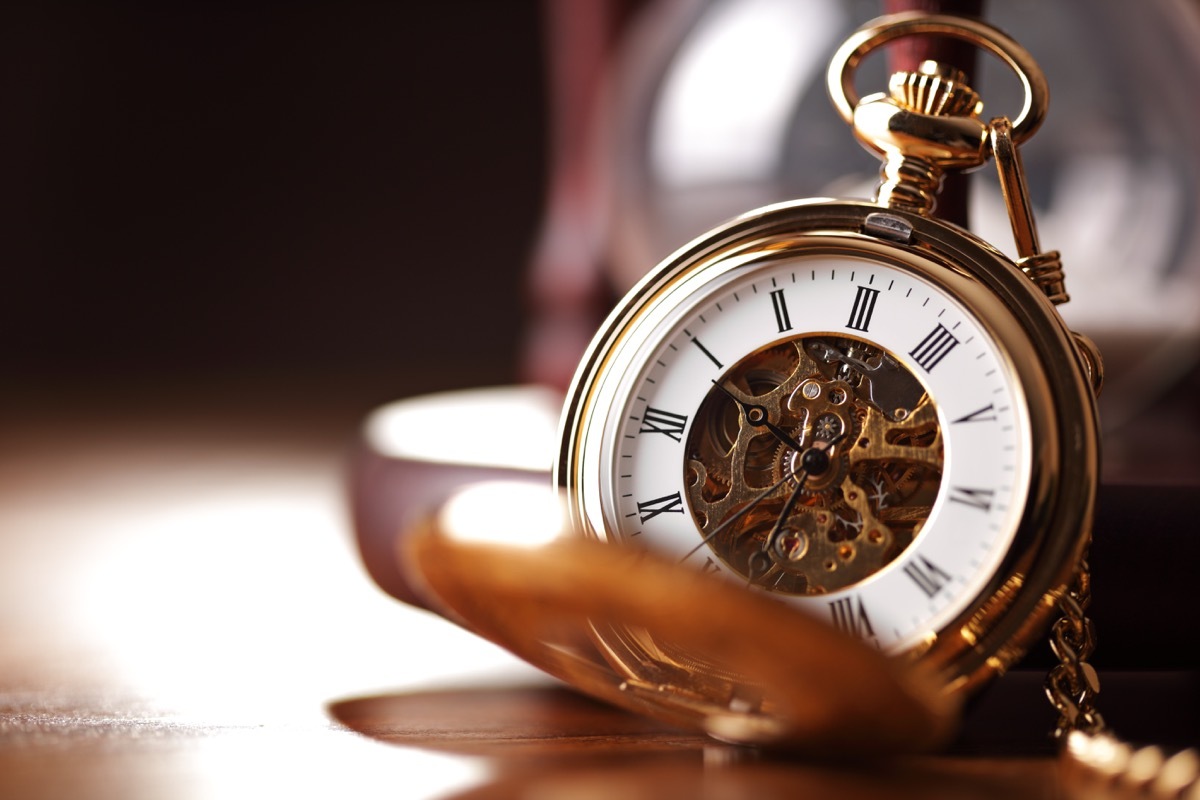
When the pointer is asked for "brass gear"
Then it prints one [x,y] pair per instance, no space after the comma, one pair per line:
[849,520]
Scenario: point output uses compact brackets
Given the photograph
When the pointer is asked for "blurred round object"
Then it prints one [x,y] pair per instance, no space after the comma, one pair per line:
[721,107]
[412,454]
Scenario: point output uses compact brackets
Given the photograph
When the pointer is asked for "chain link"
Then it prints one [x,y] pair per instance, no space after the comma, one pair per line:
[1073,684]
[1096,763]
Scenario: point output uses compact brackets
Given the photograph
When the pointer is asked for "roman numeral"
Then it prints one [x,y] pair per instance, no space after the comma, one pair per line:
[781,312]
[710,567]
[934,347]
[706,352]
[929,577]
[667,504]
[850,616]
[655,420]
[980,415]
[864,307]
[976,498]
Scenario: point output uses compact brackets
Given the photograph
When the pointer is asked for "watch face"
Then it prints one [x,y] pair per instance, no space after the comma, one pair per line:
[833,429]
[872,417]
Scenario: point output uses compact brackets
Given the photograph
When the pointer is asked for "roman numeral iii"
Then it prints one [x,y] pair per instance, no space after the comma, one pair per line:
[934,347]
[864,307]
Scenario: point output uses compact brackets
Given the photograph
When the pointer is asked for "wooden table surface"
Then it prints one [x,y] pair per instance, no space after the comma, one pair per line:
[183,614]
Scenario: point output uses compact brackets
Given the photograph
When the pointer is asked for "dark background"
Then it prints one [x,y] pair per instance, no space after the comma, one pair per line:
[337,198]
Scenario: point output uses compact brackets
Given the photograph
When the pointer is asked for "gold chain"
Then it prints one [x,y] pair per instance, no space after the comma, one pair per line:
[1073,684]
[1096,763]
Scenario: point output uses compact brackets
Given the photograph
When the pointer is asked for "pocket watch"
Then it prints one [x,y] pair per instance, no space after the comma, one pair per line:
[855,409]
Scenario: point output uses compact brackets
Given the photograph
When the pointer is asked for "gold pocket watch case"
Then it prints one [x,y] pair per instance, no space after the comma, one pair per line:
[825,471]
[852,407]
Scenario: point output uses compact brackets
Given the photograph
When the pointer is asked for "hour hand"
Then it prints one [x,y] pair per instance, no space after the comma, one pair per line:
[757,417]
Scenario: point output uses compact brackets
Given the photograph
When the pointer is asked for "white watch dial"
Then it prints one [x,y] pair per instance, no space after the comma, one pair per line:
[835,430]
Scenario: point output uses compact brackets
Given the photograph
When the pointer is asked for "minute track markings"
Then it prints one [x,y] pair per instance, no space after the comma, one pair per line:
[726,332]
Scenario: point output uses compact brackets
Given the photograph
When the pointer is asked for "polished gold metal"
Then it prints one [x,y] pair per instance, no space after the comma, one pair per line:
[929,122]
[813,390]
[1016,609]
[1099,765]
[1044,269]
[1073,683]
[805,684]
[846,60]
[926,126]
[1093,363]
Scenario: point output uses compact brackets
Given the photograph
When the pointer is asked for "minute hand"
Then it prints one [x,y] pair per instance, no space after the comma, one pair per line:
[756,416]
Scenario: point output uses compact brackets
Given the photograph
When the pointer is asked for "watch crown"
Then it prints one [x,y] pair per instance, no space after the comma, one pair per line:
[935,89]
[926,124]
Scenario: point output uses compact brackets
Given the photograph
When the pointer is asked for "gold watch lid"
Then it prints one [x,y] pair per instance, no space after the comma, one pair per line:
[800,683]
